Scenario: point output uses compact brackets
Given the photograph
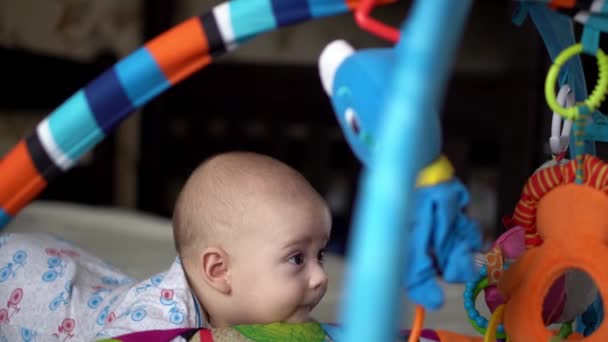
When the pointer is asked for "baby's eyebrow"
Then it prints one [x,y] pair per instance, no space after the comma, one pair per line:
[295,242]
[303,241]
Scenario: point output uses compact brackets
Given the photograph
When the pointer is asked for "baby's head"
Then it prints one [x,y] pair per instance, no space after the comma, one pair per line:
[251,232]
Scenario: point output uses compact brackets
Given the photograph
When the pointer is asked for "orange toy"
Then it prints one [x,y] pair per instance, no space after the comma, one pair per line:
[571,223]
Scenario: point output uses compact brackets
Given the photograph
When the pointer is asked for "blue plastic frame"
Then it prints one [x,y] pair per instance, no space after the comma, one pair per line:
[425,53]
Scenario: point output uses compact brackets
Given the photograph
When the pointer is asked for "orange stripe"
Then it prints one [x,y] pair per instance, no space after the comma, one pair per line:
[600,177]
[538,181]
[559,173]
[534,188]
[568,172]
[526,212]
[528,190]
[592,166]
[596,166]
[523,221]
[588,172]
[20,181]
[527,204]
[544,185]
[554,175]
[548,180]
[529,208]
[603,176]
[181,51]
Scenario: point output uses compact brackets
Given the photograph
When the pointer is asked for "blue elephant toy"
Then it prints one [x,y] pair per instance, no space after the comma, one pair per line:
[442,238]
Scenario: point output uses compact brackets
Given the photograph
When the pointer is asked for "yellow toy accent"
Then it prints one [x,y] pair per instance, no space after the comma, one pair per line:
[495,321]
[441,170]
[597,96]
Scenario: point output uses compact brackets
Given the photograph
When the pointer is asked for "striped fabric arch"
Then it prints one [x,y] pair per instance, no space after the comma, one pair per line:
[86,118]
[595,174]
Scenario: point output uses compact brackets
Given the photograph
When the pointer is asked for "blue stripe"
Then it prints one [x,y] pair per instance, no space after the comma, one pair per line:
[251,18]
[108,100]
[141,77]
[323,8]
[598,21]
[74,127]
[199,318]
[289,12]
[4,218]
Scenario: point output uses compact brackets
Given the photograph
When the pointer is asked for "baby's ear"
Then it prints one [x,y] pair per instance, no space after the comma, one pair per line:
[213,268]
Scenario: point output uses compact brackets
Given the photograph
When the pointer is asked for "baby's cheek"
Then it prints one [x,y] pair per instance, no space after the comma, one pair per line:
[288,294]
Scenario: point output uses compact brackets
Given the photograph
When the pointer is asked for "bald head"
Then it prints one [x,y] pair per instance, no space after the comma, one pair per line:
[217,201]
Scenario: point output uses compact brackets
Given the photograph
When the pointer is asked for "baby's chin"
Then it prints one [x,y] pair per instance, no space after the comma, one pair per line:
[301,315]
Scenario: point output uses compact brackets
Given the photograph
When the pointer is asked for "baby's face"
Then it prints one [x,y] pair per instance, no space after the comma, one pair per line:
[277,273]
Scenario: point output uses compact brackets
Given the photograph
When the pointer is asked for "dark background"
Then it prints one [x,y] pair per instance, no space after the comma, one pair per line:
[495,122]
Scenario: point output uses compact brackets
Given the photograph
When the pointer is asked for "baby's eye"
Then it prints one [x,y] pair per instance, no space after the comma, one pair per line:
[321,255]
[297,259]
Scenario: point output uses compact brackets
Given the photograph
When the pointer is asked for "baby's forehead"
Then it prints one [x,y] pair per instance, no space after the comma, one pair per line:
[289,221]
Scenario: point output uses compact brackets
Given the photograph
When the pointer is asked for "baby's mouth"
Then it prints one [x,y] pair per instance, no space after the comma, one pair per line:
[307,308]
[313,305]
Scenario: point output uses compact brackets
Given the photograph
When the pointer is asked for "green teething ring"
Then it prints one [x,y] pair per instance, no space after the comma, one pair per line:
[474,316]
[597,96]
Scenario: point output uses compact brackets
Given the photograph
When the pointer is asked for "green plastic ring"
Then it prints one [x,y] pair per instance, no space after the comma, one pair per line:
[565,328]
[482,284]
[599,92]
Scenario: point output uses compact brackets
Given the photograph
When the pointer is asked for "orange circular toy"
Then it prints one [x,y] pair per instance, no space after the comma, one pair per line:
[568,224]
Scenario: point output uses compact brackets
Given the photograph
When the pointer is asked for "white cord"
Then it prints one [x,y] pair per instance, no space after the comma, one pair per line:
[558,142]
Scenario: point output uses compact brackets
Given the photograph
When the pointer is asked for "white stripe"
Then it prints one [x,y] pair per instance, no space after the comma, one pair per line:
[50,146]
[222,18]
[597,5]
[582,17]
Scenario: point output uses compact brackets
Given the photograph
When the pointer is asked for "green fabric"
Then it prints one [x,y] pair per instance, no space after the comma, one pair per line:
[305,332]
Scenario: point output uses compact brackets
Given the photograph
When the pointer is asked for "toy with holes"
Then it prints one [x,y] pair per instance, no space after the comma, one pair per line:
[542,271]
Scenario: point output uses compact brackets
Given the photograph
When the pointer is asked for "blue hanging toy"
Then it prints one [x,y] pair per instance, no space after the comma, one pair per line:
[442,238]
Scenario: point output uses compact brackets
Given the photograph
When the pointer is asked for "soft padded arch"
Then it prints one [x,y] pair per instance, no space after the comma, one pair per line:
[544,181]
[86,118]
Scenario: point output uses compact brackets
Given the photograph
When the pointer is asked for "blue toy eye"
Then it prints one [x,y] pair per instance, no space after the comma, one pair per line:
[352,120]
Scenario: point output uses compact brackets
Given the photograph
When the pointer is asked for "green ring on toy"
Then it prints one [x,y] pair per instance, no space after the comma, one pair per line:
[474,315]
[597,96]
[471,292]
[565,330]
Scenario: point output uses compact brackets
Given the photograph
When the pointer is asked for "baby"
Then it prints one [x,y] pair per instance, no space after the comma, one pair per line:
[250,233]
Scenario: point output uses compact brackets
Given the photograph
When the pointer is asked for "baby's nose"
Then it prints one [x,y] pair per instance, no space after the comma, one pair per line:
[318,278]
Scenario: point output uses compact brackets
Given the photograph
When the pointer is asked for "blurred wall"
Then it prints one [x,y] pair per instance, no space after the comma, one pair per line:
[83,29]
